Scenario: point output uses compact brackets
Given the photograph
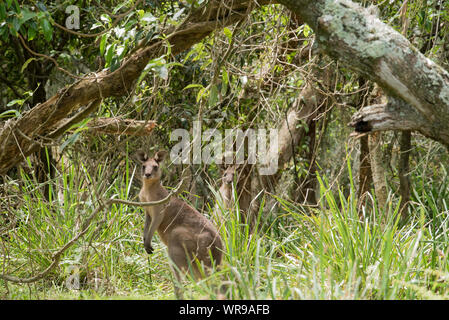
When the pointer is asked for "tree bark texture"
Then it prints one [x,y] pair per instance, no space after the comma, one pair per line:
[418,88]
[378,171]
[365,174]
[404,170]
[23,136]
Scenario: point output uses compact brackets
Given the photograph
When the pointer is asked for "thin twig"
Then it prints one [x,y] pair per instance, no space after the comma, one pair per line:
[174,192]
[57,256]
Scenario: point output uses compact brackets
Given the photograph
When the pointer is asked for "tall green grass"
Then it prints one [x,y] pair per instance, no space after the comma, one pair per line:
[340,250]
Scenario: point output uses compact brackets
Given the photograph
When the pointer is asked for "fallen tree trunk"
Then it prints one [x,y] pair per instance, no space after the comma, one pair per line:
[418,88]
[21,137]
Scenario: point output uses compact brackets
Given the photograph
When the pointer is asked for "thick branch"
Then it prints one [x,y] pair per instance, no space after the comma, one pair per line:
[395,115]
[173,193]
[21,136]
[291,132]
[350,33]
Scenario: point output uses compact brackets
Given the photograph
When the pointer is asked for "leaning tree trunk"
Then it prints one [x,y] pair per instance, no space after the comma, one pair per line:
[418,88]
[21,137]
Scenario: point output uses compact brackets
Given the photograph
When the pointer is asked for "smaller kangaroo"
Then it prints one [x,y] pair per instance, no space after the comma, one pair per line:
[225,190]
[187,234]
[227,195]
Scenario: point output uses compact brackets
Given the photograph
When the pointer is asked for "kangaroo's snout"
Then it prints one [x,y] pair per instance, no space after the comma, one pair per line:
[150,169]
[228,175]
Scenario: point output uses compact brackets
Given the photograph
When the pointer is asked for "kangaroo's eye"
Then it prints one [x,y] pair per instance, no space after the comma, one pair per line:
[143,167]
[155,168]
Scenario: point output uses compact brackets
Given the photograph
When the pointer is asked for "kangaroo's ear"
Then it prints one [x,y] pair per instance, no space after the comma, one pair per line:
[222,165]
[160,155]
[141,156]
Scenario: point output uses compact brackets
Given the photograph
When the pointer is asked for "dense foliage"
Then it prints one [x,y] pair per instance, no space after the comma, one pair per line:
[248,75]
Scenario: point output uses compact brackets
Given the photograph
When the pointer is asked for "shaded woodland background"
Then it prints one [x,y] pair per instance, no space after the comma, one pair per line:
[349,214]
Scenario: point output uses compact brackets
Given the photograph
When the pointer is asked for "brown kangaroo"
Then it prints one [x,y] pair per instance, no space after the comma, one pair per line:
[187,234]
[225,194]
[226,186]
[243,191]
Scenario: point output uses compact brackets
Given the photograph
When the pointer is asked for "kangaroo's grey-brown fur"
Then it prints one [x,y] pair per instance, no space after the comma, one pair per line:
[227,195]
[187,234]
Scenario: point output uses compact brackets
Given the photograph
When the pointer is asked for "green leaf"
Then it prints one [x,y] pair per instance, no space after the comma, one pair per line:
[163,72]
[31,33]
[26,15]
[224,81]
[138,36]
[157,62]
[26,64]
[174,64]
[105,18]
[80,126]
[193,85]
[115,63]
[148,17]
[16,6]
[2,11]
[200,94]
[41,6]
[109,53]
[14,26]
[116,9]
[120,32]
[120,51]
[9,113]
[103,43]
[47,28]
[228,33]
[306,30]
[70,140]
[15,101]
[178,14]
[96,25]
[4,30]
[213,96]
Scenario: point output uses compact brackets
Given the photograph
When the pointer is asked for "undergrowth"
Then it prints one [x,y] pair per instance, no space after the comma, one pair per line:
[340,250]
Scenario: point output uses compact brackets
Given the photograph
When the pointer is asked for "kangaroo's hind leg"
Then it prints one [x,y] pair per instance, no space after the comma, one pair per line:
[181,253]
[179,257]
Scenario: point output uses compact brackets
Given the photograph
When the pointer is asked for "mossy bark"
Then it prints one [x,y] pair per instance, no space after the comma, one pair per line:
[418,88]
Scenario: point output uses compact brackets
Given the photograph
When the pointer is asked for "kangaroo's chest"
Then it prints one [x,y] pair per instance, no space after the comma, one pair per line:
[145,196]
